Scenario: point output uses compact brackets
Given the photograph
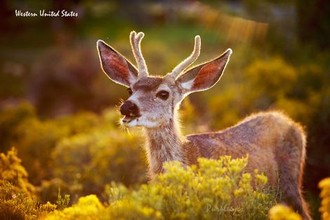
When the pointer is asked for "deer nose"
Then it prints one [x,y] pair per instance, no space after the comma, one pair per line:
[130,109]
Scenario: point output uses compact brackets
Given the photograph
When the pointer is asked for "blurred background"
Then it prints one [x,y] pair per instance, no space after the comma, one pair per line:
[59,110]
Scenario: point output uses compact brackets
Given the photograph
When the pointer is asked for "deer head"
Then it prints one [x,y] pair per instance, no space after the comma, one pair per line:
[154,100]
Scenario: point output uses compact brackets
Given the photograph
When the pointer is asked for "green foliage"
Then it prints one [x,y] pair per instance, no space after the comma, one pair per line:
[62,201]
[216,189]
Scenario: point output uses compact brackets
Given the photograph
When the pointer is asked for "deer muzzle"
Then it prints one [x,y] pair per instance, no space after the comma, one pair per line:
[130,111]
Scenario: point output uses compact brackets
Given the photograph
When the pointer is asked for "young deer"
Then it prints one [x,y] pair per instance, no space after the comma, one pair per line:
[274,144]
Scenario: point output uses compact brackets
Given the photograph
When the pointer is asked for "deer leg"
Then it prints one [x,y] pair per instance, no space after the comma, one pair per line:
[291,156]
[291,192]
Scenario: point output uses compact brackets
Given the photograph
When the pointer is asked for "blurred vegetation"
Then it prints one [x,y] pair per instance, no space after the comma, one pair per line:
[79,154]
[283,212]
[324,185]
[58,109]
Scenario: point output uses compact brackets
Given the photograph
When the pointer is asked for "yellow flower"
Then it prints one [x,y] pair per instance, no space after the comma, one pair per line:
[325,195]
[325,183]
[282,212]
[85,208]
[261,179]
[238,192]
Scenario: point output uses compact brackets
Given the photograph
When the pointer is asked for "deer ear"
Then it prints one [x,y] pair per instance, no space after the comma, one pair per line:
[204,76]
[115,65]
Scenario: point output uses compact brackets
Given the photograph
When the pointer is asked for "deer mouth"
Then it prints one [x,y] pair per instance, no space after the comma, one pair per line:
[129,118]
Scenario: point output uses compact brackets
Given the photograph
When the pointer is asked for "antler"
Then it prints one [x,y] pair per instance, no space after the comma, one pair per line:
[189,60]
[135,40]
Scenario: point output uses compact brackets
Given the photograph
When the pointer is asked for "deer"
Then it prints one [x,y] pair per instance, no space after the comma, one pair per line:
[275,144]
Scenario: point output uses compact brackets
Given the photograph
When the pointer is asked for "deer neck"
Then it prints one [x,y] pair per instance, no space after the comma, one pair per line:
[164,143]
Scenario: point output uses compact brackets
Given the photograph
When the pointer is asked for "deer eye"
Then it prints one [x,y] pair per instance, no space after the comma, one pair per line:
[129,90]
[162,94]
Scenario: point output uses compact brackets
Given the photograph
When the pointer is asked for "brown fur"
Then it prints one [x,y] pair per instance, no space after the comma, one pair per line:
[274,144]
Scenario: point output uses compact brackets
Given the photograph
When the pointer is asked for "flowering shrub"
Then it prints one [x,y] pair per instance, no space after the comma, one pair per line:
[215,189]
[325,196]
[17,198]
[12,172]
[86,208]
